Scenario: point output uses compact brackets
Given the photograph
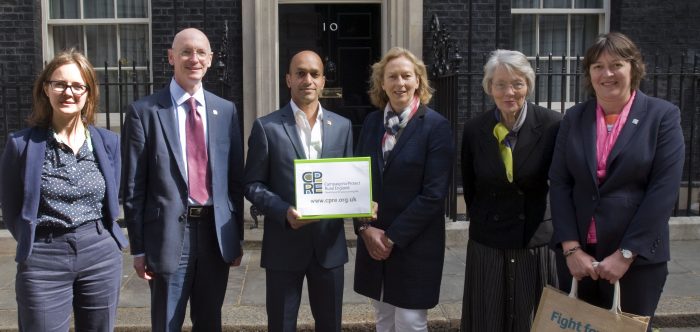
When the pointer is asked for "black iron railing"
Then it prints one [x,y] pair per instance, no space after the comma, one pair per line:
[559,84]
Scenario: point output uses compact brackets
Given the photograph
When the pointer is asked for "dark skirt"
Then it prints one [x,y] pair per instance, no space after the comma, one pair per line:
[502,287]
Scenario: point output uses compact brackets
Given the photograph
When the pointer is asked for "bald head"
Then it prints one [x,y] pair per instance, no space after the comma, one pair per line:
[190,34]
[305,56]
[190,57]
[305,80]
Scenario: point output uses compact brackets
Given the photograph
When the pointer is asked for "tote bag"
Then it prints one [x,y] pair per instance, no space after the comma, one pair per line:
[559,312]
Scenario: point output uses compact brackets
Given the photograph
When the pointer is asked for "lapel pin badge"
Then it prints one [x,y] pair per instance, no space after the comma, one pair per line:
[328,122]
[635,121]
[215,112]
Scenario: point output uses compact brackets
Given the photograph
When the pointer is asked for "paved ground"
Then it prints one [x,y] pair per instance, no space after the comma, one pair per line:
[679,309]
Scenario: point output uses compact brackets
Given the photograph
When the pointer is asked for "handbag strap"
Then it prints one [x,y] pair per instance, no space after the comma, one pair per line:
[616,295]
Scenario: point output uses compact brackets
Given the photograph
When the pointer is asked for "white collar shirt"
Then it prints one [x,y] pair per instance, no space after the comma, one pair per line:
[179,98]
[311,137]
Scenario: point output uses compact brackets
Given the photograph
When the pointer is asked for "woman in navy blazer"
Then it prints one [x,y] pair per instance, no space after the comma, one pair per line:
[615,177]
[400,254]
[59,194]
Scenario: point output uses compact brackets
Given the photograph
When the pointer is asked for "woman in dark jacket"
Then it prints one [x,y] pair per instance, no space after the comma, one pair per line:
[400,254]
[615,176]
[506,154]
[59,194]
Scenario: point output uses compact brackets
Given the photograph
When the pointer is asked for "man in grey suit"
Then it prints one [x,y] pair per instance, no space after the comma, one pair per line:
[183,193]
[292,248]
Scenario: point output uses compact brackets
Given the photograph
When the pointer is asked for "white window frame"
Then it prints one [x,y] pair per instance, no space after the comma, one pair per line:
[47,38]
[603,27]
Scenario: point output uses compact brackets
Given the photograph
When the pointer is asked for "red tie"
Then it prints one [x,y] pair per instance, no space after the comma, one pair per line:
[197,170]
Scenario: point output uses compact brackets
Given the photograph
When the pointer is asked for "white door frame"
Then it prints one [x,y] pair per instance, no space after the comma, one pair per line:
[402,25]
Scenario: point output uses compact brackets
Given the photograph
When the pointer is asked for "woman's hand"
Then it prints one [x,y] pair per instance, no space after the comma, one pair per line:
[613,267]
[374,241]
[580,263]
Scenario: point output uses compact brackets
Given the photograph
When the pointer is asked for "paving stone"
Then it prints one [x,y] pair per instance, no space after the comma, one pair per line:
[244,305]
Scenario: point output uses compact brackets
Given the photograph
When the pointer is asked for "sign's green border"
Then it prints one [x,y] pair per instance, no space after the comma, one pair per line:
[335,160]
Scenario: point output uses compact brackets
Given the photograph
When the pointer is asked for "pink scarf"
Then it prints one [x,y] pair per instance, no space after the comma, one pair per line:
[605,141]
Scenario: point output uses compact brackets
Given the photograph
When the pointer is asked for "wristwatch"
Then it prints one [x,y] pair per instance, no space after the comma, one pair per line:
[626,253]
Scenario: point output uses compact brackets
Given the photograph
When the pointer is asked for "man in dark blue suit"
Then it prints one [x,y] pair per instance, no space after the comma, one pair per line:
[293,248]
[183,193]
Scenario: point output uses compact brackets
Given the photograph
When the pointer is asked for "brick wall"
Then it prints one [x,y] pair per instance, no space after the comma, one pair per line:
[20,56]
[169,17]
[21,53]
[20,38]
[491,29]
[668,29]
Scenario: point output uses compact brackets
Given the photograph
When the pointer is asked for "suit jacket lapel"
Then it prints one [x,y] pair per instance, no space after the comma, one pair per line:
[102,162]
[36,153]
[214,130]
[588,134]
[528,136]
[168,121]
[328,135]
[413,125]
[290,127]
[490,150]
[377,131]
[637,113]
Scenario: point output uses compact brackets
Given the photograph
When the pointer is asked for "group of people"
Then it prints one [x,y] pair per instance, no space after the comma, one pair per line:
[613,164]
[610,169]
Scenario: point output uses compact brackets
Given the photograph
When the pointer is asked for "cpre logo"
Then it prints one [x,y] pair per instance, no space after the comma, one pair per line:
[313,182]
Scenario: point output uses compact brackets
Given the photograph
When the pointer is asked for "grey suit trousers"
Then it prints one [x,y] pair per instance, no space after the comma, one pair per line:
[75,270]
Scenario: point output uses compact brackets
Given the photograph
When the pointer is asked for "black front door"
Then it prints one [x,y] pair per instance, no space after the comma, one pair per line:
[348,39]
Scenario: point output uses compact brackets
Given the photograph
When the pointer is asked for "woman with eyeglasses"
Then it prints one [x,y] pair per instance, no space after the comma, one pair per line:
[59,194]
[506,152]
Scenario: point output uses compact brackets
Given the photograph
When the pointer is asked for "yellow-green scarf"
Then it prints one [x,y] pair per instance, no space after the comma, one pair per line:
[500,132]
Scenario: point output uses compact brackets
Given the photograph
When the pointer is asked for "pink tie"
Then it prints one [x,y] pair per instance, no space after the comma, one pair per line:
[197,170]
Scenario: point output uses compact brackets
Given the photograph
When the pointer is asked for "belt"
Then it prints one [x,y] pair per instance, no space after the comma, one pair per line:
[42,230]
[200,212]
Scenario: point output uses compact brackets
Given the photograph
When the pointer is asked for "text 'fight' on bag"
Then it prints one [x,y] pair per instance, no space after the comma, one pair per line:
[560,312]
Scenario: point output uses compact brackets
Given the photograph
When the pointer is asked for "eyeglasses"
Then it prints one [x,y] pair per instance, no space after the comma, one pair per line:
[517,86]
[62,86]
[201,54]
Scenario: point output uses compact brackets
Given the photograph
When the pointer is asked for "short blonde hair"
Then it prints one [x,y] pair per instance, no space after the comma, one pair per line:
[377,95]
[41,105]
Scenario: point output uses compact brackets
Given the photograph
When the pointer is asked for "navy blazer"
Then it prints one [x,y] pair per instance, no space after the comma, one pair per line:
[634,203]
[273,145]
[155,186]
[410,189]
[20,189]
[504,214]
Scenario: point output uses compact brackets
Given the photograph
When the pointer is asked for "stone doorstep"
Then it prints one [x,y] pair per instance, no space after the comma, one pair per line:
[356,317]
[681,229]
[457,233]
[672,312]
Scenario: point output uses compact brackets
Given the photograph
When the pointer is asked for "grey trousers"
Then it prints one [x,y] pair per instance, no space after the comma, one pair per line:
[75,270]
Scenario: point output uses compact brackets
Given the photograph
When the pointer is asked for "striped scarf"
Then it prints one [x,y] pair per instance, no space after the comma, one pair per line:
[394,123]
